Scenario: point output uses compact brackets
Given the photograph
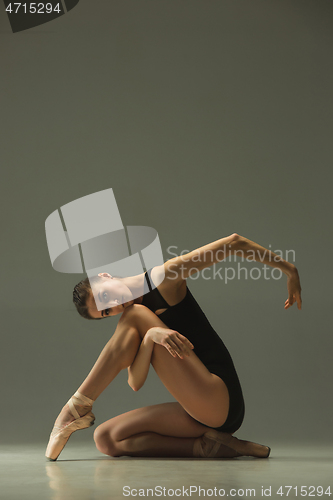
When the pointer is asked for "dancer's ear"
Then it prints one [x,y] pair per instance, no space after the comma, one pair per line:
[105,275]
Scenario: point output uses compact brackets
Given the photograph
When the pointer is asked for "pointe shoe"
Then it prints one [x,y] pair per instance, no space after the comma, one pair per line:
[60,435]
[223,445]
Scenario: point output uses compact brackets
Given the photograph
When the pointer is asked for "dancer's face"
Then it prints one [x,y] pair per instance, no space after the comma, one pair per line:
[110,296]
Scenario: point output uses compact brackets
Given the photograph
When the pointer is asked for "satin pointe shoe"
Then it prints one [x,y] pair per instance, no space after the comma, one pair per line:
[223,445]
[60,435]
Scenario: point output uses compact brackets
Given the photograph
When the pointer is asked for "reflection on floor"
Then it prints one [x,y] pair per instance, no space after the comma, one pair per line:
[83,473]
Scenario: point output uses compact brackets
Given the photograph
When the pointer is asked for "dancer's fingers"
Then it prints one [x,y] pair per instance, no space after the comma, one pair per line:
[183,343]
[177,346]
[173,349]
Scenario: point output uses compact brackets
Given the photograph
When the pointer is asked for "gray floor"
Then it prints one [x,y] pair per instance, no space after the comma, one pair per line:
[83,473]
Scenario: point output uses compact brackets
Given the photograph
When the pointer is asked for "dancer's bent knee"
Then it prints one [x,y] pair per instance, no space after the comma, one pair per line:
[141,318]
[104,442]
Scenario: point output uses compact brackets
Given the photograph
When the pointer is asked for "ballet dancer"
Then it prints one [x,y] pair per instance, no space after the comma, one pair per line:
[164,325]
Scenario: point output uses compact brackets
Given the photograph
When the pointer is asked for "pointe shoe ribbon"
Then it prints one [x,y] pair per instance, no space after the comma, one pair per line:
[60,435]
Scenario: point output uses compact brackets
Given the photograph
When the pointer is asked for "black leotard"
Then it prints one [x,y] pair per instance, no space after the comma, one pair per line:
[187,318]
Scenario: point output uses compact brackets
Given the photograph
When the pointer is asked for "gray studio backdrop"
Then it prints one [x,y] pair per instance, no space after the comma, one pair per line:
[205,118]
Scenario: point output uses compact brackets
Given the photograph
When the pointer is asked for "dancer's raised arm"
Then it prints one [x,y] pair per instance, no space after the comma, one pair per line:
[181,267]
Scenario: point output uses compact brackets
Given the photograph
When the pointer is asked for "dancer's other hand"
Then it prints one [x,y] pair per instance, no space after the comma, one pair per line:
[173,341]
[294,290]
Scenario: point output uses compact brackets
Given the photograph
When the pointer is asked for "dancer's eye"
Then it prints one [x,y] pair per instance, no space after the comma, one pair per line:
[107,312]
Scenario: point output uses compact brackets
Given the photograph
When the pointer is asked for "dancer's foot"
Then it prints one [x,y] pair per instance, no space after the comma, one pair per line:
[65,417]
[214,444]
[75,415]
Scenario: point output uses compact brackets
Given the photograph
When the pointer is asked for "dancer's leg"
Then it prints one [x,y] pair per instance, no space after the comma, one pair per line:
[200,394]
[163,430]
[117,354]
[166,430]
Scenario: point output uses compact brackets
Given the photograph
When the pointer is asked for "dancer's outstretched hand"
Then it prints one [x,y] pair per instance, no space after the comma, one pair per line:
[173,341]
[294,290]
